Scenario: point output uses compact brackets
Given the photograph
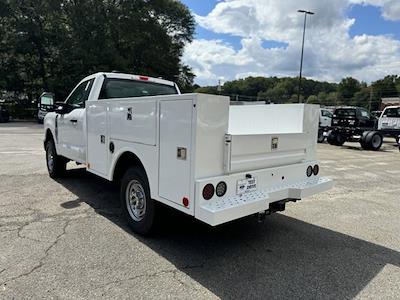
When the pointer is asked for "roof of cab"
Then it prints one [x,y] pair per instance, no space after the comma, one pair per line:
[130,76]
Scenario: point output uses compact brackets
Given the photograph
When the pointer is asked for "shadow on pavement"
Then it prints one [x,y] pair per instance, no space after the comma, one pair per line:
[281,258]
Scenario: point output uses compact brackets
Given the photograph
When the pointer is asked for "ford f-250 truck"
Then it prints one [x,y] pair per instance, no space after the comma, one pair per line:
[192,152]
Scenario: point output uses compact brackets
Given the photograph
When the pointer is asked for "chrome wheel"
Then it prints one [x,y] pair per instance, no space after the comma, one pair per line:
[135,198]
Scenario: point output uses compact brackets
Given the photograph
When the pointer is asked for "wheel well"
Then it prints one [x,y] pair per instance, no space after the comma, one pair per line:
[49,135]
[125,161]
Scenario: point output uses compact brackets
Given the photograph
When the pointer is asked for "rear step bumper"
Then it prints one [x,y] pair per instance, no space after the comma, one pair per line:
[238,206]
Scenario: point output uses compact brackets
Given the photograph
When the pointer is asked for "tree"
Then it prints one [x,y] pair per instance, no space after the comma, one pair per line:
[348,87]
[53,44]
[312,99]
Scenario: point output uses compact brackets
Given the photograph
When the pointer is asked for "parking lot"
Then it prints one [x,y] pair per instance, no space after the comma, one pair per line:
[65,238]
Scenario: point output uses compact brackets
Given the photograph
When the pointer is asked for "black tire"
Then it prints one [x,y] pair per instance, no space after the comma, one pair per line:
[137,206]
[397,138]
[56,164]
[332,138]
[321,137]
[374,140]
[340,139]
[363,141]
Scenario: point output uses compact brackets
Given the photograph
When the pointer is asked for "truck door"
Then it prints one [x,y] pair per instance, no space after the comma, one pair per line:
[71,134]
[175,149]
[325,118]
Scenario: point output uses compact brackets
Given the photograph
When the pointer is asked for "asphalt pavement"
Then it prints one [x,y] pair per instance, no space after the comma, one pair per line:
[65,239]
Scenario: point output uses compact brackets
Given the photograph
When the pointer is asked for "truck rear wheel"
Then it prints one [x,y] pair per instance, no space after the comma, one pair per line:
[374,140]
[56,164]
[137,206]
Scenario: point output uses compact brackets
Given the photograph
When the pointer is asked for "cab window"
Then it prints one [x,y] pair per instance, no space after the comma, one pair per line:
[80,94]
[326,113]
[392,112]
[124,88]
[345,112]
[364,114]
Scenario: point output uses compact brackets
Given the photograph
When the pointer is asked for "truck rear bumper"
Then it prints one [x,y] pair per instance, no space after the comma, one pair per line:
[238,206]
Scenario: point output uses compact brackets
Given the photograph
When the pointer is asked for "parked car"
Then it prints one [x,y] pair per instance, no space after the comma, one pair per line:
[192,152]
[4,114]
[45,105]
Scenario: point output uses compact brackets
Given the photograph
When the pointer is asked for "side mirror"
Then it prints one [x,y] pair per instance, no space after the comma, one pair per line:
[61,108]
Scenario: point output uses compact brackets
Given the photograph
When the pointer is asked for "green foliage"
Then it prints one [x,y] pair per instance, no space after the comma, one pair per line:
[51,45]
[349,91]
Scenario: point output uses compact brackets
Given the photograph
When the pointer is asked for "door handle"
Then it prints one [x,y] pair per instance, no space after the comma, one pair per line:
[73,121]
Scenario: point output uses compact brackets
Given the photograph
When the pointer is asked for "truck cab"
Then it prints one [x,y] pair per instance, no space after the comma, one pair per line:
[325,118]
[192,152]
[389,122]
[70,115]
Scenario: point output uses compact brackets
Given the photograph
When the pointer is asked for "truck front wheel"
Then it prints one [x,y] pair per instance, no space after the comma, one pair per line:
[332,138]
[56,165]
[137,206]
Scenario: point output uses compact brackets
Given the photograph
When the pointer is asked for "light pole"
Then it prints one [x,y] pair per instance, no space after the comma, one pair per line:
[302,48]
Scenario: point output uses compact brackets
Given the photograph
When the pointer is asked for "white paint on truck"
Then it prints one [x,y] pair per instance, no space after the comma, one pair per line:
[185,142]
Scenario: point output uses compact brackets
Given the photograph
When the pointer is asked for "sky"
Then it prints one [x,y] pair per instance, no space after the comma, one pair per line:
[240,38]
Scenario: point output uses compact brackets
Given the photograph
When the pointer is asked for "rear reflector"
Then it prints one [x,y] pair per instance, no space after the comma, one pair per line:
[220,189]
[316,170]
[309,171]
[208,191]
[143,78]
[185,201]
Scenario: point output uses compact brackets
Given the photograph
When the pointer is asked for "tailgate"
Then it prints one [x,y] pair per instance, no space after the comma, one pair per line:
[269,136]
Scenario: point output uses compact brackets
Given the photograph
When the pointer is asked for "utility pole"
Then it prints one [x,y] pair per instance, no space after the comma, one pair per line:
[302,48]
[370,98]
[219,88]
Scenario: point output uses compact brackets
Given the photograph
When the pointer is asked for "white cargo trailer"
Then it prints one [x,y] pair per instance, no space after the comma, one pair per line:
[193,152]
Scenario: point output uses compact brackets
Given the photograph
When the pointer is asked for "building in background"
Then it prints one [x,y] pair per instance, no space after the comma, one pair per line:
[389,102]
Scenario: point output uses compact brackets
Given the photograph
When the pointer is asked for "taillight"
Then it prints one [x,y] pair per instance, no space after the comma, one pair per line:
[309,171]
[144,78]
[208,191]
[220,189]
[185,201]
[316,170]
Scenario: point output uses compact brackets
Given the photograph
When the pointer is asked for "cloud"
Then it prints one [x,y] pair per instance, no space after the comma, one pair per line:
[330,52]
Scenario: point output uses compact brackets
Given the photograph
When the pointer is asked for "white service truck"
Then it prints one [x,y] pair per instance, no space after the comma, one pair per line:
[192,152]
[389,122]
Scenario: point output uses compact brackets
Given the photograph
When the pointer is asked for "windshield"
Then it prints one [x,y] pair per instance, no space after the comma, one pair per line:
[125,88]
[345,112]
[392,112]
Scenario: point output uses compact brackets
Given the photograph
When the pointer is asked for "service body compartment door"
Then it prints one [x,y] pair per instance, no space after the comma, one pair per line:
[134,120]
[97,137]
[175,149]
